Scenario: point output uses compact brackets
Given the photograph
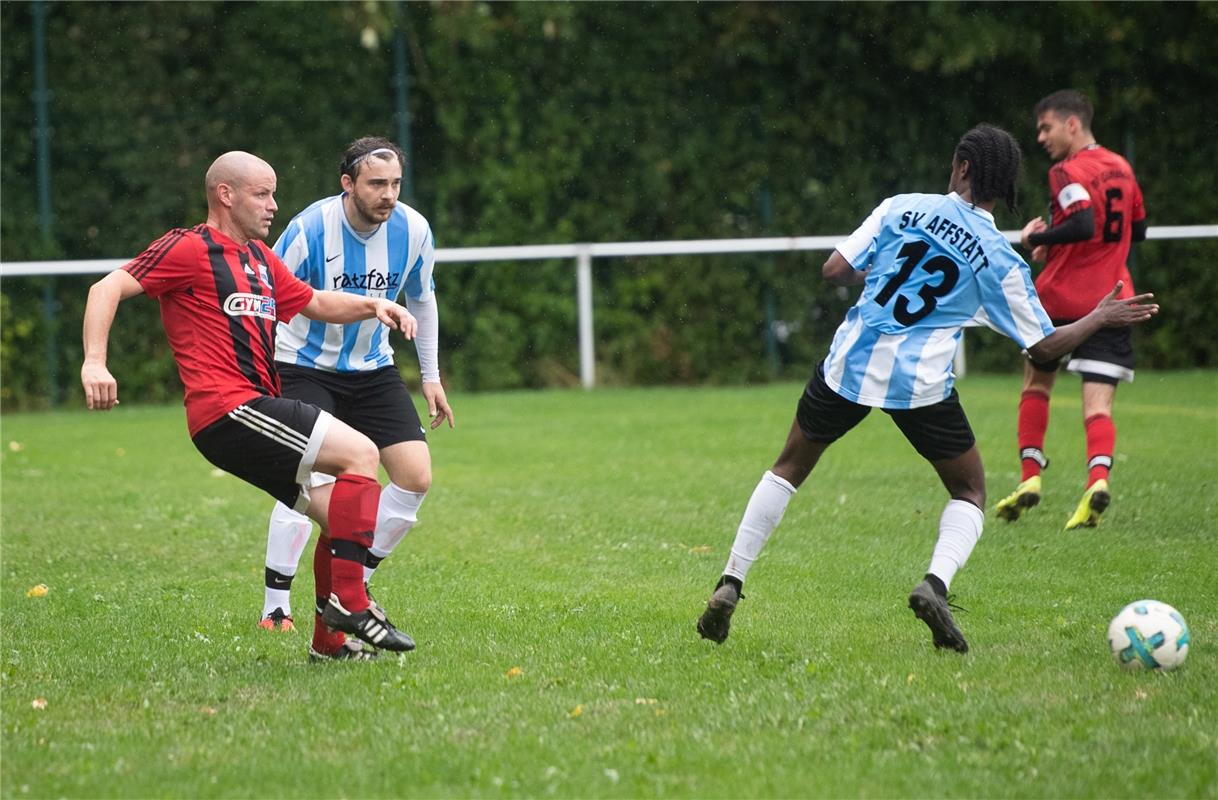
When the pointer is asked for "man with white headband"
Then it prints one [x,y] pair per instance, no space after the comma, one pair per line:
[362,241]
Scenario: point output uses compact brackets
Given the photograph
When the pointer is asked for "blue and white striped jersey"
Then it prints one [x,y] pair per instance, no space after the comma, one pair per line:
[322,248]
[936,264]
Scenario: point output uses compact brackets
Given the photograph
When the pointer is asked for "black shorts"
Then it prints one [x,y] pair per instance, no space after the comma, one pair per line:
[270,442]
[1107,357]
[936,431]
[375,403]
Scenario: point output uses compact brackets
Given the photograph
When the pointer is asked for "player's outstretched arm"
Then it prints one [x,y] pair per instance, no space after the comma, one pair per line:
[1109,313]
[101,390]
[341,308]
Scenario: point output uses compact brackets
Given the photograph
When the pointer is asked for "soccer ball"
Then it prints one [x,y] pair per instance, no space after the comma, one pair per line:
[1148,635]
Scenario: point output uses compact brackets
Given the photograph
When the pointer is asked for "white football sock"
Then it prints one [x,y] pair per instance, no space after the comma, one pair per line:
[395,516]
[959,530]
[277,598]
[761,517]
[286,537]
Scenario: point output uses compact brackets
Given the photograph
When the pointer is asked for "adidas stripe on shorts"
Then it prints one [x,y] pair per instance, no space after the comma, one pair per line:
[269,442]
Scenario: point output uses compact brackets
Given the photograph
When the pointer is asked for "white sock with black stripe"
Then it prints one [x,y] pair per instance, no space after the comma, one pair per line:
[286,538]
[396,513]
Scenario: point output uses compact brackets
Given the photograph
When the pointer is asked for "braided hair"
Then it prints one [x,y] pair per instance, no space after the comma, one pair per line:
[994,163]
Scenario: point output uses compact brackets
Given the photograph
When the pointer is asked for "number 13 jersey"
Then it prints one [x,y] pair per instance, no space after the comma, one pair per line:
[1078,274]
[934,265]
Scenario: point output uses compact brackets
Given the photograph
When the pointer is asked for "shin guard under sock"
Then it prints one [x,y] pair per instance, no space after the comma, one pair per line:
[353,505]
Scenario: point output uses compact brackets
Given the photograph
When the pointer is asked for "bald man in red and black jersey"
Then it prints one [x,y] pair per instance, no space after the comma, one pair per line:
[222,291]
[1096,214]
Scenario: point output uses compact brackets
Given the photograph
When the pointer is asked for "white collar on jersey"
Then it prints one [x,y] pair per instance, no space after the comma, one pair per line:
[971,207]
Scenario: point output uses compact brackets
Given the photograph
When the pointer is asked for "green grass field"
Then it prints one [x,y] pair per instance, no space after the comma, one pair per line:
[573,538]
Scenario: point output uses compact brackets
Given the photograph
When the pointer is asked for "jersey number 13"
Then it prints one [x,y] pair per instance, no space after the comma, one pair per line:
[912,253]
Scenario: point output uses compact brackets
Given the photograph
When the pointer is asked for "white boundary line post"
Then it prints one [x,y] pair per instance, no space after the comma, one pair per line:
[583,294]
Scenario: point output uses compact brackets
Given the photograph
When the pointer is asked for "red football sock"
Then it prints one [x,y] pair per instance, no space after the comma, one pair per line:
[324,640]
[1033,422]
[353,505]
[1101,442]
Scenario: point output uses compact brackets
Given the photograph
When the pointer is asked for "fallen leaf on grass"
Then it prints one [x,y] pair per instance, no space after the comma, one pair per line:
[16,447]
[515,672]
[39,703]
[208,710]
[38,591]
[702,548]
[1140,694]
[909,678]
[575,712]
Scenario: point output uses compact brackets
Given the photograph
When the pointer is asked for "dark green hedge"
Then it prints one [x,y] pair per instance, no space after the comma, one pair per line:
[541,122]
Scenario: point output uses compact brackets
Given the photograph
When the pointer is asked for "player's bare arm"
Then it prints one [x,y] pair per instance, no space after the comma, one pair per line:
[341,307]
[101,390]
[1035,225]
[1108,313]
[837,270]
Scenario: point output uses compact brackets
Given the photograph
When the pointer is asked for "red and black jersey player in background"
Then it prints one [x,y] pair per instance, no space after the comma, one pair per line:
[1096,214]
[222,291]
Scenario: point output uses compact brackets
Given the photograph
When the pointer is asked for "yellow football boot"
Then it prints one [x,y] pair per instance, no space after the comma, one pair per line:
[1026,495]
[1091,507]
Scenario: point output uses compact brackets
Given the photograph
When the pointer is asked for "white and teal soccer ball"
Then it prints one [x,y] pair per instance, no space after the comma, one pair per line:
[1148,635]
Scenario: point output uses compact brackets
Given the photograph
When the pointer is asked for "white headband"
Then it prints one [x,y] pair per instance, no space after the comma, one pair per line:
[378,151]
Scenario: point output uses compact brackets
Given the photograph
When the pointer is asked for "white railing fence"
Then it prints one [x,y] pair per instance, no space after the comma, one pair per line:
[583,253]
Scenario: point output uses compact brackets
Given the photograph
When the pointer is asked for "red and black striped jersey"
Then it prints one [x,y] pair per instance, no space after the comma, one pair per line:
[1078,274]
[220,302]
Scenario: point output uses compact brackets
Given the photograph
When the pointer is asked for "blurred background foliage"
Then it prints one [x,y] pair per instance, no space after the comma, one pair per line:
[562,122]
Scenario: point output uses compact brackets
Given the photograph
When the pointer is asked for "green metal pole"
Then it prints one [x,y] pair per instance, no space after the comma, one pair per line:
[401,86]
[46,219]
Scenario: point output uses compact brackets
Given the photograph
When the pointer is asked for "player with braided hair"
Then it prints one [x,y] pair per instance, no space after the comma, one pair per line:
[929,264]
[1097,214]
[998,163]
